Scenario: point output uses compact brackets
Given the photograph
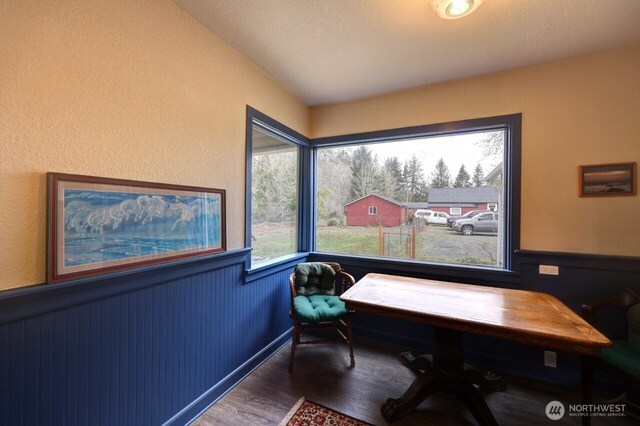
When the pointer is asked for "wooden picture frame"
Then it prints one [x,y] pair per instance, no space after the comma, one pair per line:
[100,225]
[607,180]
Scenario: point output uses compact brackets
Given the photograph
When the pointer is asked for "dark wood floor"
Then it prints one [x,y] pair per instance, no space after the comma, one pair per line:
[322,375]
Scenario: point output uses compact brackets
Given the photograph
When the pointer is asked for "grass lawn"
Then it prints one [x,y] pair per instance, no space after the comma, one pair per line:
[434,243]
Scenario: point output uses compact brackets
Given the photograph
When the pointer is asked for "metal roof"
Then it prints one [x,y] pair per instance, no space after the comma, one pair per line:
[484,194]
[497,171]
[416,204]
[376,195]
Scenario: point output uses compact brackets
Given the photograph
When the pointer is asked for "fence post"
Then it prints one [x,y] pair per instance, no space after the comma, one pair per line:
[413,241]
[380,241]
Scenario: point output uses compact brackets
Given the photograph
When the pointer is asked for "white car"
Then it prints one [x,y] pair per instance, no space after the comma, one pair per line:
[424,214]
[438,218]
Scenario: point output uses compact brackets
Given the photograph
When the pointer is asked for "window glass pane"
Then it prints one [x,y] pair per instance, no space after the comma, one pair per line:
[274,196]
[458,174]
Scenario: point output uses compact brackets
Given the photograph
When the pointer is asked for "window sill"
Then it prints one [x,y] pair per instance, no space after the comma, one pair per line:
[271,266]
[463,273]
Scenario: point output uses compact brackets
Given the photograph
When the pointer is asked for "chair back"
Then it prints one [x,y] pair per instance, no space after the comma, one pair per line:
[341,281]
[625,298]
[315,278]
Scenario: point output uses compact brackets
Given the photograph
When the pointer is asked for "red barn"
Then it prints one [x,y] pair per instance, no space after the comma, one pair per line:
[374,210]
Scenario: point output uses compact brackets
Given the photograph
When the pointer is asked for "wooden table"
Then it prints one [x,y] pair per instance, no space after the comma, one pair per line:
[452,308]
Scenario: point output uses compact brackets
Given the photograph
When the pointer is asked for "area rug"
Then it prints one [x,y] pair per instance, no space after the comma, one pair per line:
[308,413]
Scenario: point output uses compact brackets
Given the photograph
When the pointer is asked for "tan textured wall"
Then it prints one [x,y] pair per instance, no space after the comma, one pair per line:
[580,111]
[119,88]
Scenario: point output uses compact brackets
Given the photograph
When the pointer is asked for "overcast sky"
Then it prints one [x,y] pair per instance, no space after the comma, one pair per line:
[454,150]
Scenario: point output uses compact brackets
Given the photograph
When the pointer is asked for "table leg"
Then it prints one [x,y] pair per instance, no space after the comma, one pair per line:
[489,382]
[421,388]
[444,370]
[424,364]
[419,364]
[587,386]
[475,403]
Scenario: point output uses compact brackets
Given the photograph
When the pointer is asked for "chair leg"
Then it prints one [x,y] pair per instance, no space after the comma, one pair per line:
[350,338]
[294,342]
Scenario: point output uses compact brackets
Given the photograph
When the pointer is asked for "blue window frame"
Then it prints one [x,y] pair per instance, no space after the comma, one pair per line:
[506,264]
[305,236]
[275,219]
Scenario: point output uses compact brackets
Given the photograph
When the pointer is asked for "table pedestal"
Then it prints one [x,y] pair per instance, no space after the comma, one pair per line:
[445,371]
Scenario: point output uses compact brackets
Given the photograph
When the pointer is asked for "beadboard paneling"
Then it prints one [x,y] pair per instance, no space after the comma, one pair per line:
[141,357]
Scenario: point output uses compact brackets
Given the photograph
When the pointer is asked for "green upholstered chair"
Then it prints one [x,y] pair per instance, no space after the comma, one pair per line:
[315,304]
[621,360]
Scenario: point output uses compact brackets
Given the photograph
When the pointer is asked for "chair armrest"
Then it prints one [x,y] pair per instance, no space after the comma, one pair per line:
[588,312]
[292,289]
[346,281]
[623,298]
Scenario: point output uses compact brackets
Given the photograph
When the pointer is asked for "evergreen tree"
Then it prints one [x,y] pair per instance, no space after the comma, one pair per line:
[364,171]
[403,181]
[478,176]
[394,167]
[414,182]
[463,180]
[441,178]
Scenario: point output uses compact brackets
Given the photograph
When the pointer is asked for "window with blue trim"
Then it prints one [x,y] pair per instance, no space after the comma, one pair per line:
[277,166]
[466,173]
[274,195]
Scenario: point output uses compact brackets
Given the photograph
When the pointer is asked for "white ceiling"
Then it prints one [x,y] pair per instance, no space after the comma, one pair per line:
[327,51]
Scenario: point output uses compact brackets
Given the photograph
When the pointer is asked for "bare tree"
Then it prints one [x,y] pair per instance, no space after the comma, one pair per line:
[274,187]
[364,171]
[334,183]
[492,144]
[390,179]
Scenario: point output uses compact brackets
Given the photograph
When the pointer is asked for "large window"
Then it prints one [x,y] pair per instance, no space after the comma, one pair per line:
[274,195]
[444,194]
[464,176]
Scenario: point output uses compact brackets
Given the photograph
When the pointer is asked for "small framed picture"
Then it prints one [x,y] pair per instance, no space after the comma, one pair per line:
[605,180]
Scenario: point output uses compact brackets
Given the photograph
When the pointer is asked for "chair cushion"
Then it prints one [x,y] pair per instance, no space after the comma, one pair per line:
[315,278]
[633,319]
[624,356]
[318,308]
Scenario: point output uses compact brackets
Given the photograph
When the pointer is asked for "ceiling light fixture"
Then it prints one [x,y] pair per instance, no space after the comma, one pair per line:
[454,9]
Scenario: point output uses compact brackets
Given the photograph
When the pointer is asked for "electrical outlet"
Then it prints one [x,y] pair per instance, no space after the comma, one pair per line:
[550,359]
[548,270]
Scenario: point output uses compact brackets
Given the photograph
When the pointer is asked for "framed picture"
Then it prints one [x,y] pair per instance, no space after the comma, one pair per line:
[99,225]
[604,180]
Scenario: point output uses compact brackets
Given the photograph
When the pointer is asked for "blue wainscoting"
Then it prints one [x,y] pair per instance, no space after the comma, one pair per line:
[583,278]
[156,346]
[159,345]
